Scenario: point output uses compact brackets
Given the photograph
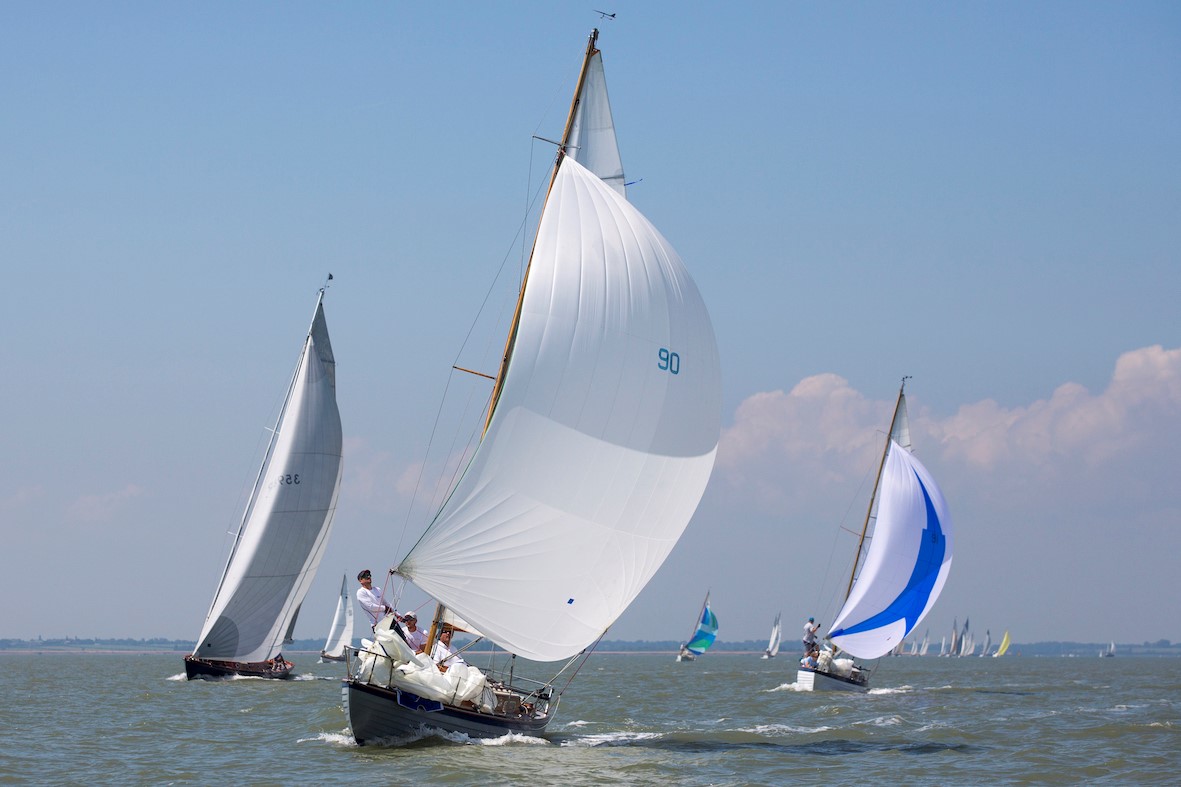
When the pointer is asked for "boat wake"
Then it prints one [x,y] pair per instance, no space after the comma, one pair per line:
[344,739]
[896,690]
[785,687]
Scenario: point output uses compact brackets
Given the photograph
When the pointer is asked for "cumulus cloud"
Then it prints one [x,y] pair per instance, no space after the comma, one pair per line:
[823,433]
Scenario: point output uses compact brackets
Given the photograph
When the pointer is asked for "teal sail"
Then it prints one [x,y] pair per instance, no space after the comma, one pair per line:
[707,630]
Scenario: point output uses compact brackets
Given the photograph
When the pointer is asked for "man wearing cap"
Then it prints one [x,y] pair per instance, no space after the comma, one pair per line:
[370,600]
[415,637]
[810,629]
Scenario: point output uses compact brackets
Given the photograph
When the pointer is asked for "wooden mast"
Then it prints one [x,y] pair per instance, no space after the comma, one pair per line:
[498,385]
[591,51]
[876,482]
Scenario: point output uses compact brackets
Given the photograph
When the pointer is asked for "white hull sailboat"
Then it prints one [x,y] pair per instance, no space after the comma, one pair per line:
[340,635]
[599,440]
[704,634]
[773,643]
[904,571]
[284,529]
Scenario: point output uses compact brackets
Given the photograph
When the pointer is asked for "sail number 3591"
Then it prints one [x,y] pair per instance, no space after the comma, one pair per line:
[668,361]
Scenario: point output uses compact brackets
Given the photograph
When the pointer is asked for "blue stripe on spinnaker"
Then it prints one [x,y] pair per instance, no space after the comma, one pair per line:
[913,598]
[707,631]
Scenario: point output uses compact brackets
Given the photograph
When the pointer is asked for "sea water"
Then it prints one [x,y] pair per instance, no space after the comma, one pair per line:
[725,719]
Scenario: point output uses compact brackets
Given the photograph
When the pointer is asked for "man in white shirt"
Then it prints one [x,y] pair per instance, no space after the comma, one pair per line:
[371,600]
[415,637]
[442,654]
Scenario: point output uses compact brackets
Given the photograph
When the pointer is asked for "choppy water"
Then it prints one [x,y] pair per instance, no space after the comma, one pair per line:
[627,719]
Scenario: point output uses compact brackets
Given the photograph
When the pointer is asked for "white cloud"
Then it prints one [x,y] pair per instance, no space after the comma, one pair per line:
[103,507]
[822,432]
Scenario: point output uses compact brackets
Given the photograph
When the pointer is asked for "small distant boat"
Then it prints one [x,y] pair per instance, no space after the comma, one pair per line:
[967,641]
[704,634]
[284,528]
[340,636]
[1003,648]
[904,571]
[987,643]
[773,643]
[1109,653]
[926,643]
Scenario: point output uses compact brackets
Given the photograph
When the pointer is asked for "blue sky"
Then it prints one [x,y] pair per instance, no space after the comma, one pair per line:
[985,197]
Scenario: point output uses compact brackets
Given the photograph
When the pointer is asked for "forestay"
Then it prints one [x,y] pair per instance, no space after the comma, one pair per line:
[602,440]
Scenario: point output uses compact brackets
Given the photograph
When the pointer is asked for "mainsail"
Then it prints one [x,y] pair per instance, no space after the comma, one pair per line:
[341,633]
[909,557]
[601,442]
[591,136]
[287,521]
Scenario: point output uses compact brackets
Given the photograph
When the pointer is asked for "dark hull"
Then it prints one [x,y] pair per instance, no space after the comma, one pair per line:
[377,713]
[205,669]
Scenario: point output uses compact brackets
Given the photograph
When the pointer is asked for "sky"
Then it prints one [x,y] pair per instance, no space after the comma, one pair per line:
[985,197]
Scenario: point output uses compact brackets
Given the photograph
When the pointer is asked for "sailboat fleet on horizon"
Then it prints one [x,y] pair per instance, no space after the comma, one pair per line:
[598,440]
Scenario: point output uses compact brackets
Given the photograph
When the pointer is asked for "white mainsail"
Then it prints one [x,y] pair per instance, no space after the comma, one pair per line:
[601,442]
[340,635]
[909,557]
[591,138]
[287,521]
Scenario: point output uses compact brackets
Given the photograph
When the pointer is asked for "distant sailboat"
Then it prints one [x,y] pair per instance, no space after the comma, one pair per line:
[1109,652]
[773,643]
[1003,648]
[284,529]
[926,643]
[987,643]
[904,572]
[340,636]
[704,634]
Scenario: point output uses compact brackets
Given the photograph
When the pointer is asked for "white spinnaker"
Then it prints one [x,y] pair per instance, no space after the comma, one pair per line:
[895,551]
[592,142]
[288,519]
[341,633]
[598,453]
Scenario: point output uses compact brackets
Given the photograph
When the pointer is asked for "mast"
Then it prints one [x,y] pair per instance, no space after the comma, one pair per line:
[591,51]
[697,621]
[876,482]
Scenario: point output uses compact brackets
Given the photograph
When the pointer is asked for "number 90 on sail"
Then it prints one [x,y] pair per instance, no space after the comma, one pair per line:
[668,361]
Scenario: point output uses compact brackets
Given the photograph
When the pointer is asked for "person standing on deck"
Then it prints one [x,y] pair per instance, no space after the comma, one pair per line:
[371,600]
[810,629]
